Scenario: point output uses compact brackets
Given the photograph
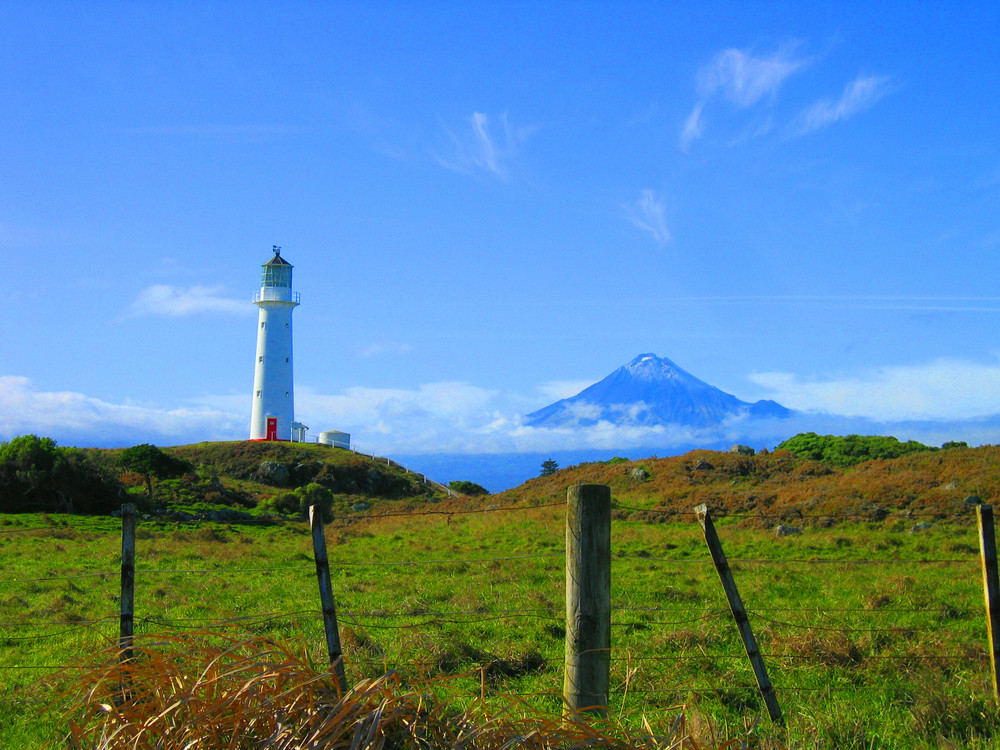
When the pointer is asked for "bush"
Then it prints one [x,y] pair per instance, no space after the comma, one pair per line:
[471,489]
[849,450]
[38,476]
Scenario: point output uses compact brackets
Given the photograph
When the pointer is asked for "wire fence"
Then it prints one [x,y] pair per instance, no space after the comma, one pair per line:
[686,636]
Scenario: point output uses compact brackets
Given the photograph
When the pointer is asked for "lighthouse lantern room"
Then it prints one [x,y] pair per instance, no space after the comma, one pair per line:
[273,412]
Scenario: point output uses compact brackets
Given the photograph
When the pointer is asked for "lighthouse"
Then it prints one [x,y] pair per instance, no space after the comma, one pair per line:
[273,413]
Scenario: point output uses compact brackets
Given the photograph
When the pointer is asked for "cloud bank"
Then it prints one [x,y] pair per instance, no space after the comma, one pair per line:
[76,419]
[944,389]
[931,402]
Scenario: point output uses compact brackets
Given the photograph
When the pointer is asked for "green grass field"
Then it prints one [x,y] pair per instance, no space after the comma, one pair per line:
[873,636]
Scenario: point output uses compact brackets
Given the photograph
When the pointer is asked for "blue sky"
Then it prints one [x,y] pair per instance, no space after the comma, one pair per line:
[490,206]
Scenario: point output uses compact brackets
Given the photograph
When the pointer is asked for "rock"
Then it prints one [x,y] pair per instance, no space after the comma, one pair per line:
[918,527]
[361,506]
[950,486]
[273,472]
[973,500]
[703,465]
[783,530]
[743,450]
[639,474]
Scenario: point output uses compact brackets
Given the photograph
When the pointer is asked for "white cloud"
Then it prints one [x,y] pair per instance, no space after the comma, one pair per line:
[486,148]
[76,419]
[692,126]
[863,92]
[942,389]
[175,302]
[459,418]
[648,214]
[744,79]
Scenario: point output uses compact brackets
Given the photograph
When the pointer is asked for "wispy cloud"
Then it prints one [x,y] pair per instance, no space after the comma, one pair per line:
[175,302]
[649,214]
[745,79]
[942,389]
[483,147]
[860,94]
[742,79]
[692,126]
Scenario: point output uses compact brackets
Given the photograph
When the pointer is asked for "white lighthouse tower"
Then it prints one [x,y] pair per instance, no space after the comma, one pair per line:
[273,413]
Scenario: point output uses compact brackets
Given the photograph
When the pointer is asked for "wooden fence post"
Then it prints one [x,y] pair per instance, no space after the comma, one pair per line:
[991,586]
[127,599]
[326,596]
[740,615]
[588,599]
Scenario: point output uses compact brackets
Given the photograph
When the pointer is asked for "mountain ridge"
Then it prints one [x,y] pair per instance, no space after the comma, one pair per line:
[649,391]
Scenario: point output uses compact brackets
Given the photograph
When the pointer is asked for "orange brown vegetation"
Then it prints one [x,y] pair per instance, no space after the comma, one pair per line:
[185,693]
[779,487]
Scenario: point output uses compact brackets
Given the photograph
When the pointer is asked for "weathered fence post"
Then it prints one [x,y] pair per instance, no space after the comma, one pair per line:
[740,615]
[127,599]
[588,598]
[326,596]
[991,586]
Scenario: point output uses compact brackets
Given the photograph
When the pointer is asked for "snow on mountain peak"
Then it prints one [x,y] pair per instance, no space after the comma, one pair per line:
[667,393]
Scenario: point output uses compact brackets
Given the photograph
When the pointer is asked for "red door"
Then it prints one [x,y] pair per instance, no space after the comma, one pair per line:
[272,428]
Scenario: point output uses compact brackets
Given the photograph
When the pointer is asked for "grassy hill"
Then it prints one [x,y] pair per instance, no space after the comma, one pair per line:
[874,636]
[253,479]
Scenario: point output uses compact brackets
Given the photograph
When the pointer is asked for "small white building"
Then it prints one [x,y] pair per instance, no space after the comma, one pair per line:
[335,438]
[272,416]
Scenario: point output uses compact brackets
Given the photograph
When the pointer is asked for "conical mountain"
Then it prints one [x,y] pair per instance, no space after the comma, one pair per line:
[651,391]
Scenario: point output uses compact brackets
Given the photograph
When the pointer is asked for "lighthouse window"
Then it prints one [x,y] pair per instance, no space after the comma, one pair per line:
[260,358]
[286,325]
[262,324]
[286,359]
[258,394]
[276,275]
[286,394]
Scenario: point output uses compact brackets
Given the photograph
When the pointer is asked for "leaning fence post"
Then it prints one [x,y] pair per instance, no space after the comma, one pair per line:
[991,586]
[326,596]
[127,599]
[740,615]
[588,598]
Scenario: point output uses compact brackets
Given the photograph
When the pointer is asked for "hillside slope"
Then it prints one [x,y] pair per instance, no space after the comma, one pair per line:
[771,488]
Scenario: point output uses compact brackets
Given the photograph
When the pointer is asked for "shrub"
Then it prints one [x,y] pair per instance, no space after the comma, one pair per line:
[38,476]
[468,488]
[849,450]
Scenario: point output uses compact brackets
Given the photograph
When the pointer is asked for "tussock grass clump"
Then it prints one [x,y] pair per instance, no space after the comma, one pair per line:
[205,691]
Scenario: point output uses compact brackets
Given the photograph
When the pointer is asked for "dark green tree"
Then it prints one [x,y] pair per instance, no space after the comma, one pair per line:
[151,462]
[38,476]
[549,468]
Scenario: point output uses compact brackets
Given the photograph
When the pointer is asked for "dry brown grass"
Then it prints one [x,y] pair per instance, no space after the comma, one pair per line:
[204,692]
